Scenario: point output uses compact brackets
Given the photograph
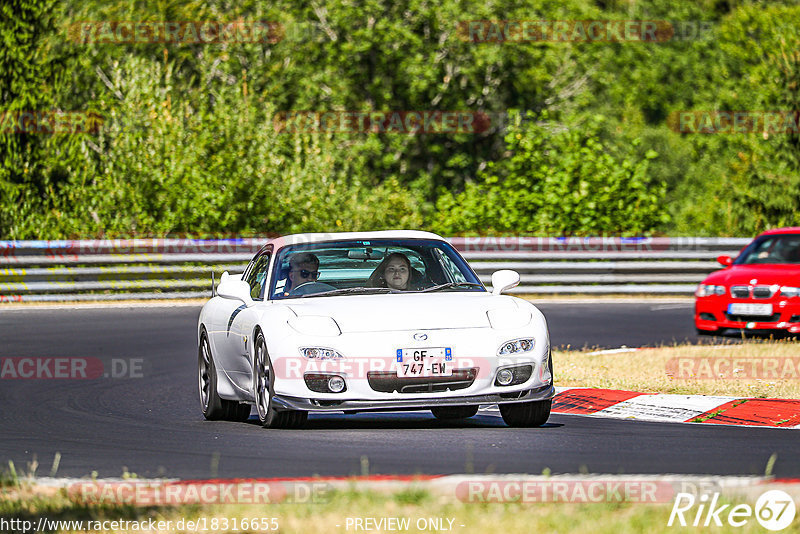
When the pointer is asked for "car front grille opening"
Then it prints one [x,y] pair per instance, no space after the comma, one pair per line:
[319,383]
[325,403]
[762,292]
[757,292]
[740,292]
[754,318]
[708,316]
[794,319]
[388,382]
[515,395]
[521,373]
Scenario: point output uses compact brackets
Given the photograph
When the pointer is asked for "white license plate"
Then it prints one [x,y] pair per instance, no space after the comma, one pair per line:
[426,362]
[742,308]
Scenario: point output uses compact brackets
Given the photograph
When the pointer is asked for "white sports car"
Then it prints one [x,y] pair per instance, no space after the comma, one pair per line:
[370,321]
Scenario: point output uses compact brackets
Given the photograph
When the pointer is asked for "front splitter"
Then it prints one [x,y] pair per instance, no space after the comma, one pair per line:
[359,405]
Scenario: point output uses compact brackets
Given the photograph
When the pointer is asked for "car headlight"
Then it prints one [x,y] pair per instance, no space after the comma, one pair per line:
[320,353]
[516,346]
[788,291]
[707,290]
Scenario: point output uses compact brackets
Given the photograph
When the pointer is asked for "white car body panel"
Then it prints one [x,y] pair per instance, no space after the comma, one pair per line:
[373,327]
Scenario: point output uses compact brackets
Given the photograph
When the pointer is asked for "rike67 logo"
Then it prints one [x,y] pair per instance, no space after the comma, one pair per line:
[774,510]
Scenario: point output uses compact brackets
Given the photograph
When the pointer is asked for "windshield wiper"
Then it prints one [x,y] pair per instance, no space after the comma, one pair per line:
[353,290]
[450,285]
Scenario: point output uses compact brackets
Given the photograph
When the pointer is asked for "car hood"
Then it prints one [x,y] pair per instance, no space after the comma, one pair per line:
[766,274]
[430,311]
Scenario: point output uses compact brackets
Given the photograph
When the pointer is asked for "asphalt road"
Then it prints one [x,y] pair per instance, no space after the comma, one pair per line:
[150,423]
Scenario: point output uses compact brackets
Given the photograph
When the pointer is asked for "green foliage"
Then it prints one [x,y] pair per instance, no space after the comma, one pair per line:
[221,152]
[559,180]
[742,184]
[767,181]
[26,80]
[188,142]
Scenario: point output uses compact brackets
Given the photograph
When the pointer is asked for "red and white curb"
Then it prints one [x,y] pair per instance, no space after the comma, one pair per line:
[702,409]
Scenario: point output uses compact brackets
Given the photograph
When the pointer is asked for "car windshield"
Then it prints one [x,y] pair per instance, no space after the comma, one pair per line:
[780,248]
[380,266]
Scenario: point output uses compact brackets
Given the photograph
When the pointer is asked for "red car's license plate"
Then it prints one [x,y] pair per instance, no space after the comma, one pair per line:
[744,308]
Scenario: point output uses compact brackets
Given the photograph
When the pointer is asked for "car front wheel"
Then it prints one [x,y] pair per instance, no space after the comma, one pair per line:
[526,414]
[268,415]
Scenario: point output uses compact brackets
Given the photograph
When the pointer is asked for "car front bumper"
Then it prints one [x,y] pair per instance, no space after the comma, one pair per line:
[711,315]
[364,405]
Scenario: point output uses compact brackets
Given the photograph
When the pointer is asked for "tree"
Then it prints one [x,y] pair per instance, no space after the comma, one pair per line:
[560,179]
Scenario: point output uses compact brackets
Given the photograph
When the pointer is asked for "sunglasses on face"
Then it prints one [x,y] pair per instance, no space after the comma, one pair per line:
[308,274]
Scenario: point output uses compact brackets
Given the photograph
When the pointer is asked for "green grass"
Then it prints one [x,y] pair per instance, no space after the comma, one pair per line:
[342,507]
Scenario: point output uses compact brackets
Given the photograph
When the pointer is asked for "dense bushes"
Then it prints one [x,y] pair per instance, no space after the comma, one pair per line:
[558,180]
[188,141]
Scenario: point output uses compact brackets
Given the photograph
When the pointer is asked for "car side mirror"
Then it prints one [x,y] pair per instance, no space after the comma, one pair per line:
[504,280]
[234,289]
[725,260]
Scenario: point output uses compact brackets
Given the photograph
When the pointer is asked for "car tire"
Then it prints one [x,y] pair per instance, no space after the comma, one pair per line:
[268,415]
[526,414]
[214,407]
[454,412]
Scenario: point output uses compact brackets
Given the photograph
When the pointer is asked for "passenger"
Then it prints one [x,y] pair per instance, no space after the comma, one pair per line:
[395,272]
[303,268]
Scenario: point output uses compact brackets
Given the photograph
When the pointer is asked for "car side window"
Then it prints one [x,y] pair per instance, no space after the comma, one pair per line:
[453,272]
[257,276]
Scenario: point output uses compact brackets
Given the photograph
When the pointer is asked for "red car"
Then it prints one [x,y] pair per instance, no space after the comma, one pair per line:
[759,290]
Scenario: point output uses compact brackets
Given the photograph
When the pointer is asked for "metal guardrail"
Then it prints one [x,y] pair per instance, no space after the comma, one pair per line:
[181,268]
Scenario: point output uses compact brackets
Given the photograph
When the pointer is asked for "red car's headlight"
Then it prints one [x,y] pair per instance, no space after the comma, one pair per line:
[787,291]
[707,290]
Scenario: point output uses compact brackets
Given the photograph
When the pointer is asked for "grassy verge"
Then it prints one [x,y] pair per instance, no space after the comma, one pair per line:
[338,514]
[769,369]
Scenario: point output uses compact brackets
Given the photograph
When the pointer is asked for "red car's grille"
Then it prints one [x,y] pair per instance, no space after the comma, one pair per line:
[387,382]
[756,292]
[740,292]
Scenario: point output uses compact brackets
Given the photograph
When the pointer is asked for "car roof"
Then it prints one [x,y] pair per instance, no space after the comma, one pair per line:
[294,239]
[787,230]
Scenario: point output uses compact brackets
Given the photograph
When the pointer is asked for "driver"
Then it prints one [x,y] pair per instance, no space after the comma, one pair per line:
[303,268]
